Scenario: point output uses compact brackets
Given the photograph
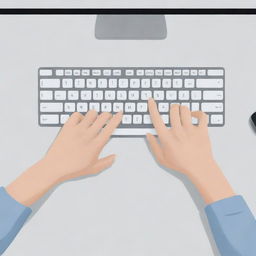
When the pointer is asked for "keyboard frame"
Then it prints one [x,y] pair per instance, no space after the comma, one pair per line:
[118,132]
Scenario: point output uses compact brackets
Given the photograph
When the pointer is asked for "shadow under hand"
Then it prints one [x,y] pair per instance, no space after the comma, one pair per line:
[197,199]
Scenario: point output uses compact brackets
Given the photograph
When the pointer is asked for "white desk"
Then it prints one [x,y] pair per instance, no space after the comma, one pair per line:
[135,208]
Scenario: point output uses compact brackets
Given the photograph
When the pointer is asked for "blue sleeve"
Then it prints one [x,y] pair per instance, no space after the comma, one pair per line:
[233,227]
[12,217]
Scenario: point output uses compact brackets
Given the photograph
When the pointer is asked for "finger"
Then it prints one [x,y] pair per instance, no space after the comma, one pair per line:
[201,116]
[185,116]
[155,148]
[99,123]
[102,164]
[156,118]
[175,116]
[89,118]
[107,131]
[74,119]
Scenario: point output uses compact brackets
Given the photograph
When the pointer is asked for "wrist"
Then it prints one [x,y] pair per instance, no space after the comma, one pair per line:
[33,183]
[211,183]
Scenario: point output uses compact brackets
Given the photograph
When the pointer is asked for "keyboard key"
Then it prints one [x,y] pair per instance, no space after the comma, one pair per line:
[183,95]
[129,107]
[149,72]
[127,119]
[85,72]
[98,95]
[106,107]
[118,106]
[51,107]
[77,72]
[168,72]
[112,83]
[79,83]
[147,119]
[159,72]
[46,95]
[195,106]
[45,72]
[215,72]
[133,95]
[73,95]
[86,95]
[212,107]
[67,83]
[194,72]
[167,83]
[107,72]
[216,119]
[202,72]
[121,95]
[177,83]
[91,83]
[177,72]
[82,107]
[163,107]
[171,95]
[137,119]
[196,95]
[135,83]
[68,72]
[123,83]
[60,95]
[145,83]
[213,95]
[102,83]
[145,95]
[50,83]
[96,72]
[64,118]
[185,72]
[70,107]
[117,72]
[110,95]
[156,83]
[49,119]
[140,72]
[189,83]
[59,72]
[209,83]
[129,72]
[94,106]
[142,107]
[158,95]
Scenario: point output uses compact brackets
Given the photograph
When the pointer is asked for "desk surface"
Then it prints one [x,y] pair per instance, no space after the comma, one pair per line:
[135,208]
[131,3]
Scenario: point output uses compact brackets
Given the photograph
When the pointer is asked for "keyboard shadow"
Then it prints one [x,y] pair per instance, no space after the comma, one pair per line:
[197,199]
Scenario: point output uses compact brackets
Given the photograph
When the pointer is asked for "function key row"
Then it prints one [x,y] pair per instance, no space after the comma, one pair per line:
[131,72]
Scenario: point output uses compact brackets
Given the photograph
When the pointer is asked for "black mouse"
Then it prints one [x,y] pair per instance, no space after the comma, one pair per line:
[253,118]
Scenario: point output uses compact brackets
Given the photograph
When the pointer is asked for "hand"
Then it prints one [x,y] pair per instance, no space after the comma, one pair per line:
[76,150]
[74,153]
[186,148]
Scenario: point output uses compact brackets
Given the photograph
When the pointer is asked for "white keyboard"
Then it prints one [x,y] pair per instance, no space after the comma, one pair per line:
[63,91]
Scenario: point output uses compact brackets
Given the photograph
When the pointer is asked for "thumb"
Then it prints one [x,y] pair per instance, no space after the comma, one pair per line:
[102,164]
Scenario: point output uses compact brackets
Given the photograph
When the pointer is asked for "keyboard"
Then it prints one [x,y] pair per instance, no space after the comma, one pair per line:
[64,90]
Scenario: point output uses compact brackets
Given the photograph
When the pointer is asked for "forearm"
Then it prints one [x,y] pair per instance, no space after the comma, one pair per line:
[211,183]
[32,184]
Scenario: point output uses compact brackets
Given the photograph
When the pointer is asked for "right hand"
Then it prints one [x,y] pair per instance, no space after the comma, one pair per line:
[184,147]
